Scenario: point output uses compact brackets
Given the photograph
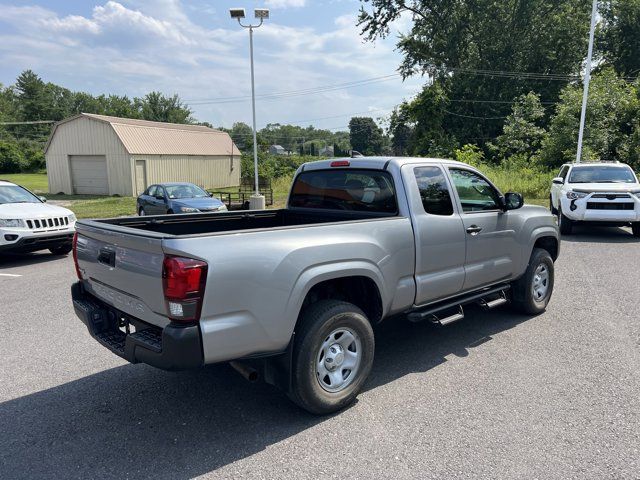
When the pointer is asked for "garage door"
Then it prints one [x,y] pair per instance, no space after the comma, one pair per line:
[89,174]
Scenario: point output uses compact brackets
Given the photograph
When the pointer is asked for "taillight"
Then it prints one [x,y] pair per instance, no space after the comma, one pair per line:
[183,282]
[75,255]
[340,163]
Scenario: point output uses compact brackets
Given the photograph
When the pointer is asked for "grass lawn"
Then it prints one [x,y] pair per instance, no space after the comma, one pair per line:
[96,206]
[36,182]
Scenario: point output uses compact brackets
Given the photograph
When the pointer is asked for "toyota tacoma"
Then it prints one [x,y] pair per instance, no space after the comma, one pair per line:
[292,294]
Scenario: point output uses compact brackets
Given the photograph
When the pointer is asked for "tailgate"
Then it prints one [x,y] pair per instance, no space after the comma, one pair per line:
[124,269]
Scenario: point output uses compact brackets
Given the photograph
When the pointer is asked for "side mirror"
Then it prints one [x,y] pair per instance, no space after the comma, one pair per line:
[43,199]
[513,201]
[558,181]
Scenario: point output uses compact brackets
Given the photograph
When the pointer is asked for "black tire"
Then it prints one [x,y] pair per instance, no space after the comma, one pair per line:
[565,224]
[635,228]
[61,249]
[554,211]
[317,323]
[169,212]
[524,298]
[141,212]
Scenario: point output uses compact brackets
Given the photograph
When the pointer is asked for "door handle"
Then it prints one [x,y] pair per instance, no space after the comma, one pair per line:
[474,230]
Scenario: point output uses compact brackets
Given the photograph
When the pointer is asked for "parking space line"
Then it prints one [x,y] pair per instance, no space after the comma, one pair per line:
[9,275]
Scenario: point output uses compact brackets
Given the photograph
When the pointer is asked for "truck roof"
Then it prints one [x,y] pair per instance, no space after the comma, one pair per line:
[377,162]
[596,164]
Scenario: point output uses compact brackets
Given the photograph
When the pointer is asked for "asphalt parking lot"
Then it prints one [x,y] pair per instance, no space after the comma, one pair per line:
[497,395]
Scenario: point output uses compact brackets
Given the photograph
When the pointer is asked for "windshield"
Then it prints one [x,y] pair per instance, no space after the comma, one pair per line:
[16,194]
[602,174]
[354,190]
[185,191]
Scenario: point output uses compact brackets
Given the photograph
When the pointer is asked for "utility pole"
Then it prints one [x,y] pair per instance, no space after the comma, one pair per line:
[587,79]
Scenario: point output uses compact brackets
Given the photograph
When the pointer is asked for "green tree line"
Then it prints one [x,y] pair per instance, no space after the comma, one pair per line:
[31,99]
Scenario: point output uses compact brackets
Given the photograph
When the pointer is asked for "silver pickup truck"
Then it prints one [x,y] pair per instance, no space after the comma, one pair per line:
[292,294]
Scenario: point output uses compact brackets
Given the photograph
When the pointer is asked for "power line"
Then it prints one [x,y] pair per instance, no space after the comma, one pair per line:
[33,122]
[296,93]
[472,116]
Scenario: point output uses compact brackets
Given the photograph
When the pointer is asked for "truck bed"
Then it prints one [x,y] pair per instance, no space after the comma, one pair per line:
[198,224]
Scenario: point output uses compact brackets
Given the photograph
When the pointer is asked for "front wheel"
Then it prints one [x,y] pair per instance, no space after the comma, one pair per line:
[554,211]
[61,249]
[332,356]
[565,223]
[141,212]
[532,291]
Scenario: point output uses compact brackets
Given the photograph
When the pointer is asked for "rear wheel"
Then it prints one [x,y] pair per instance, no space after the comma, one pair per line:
[332,356]
[532,291]
[565,224]
[635,228]
[61,249]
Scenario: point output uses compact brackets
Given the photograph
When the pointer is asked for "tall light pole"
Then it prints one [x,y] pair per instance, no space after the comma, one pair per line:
[257,201]
[587,79]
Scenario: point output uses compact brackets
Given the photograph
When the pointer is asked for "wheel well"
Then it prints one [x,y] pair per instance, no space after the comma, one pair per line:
[361,291]
[550,244]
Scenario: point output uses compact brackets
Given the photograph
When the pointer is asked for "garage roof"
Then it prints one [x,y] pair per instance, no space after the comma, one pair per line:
[158,138]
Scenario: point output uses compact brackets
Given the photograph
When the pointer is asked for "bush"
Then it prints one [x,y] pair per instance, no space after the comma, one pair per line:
[514,174]
[273,166]
[11,158]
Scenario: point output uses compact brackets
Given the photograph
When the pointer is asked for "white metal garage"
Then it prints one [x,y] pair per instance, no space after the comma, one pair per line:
[89,174]
[101,155]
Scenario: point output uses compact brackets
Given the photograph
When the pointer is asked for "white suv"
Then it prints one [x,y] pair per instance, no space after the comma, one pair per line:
[597,193]
[28,224]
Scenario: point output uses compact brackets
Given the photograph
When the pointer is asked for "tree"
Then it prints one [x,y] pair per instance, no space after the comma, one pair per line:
[483,54]
[365,136]
[619,38]
[401,131]
[158,108]
[522,132]
[32,98]
[612,127]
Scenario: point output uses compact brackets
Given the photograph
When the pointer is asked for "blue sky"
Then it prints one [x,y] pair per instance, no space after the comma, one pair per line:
[194,49]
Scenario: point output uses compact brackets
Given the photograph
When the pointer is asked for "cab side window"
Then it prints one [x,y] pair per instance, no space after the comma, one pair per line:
[151,191]
[475,193]
[563,172]
[434,191]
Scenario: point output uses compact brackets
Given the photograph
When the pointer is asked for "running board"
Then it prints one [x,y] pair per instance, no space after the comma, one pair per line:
[501,300]
[450,319]
[430,312]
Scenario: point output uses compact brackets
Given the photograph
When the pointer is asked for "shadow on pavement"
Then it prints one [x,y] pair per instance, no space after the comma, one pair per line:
[136,421]
[10,260]
[590,234]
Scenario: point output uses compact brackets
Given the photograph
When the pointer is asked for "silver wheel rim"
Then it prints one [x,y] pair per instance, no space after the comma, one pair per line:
[338,360]
[540,285]
[142,212]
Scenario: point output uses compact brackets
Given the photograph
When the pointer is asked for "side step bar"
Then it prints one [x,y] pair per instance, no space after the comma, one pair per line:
[431,312]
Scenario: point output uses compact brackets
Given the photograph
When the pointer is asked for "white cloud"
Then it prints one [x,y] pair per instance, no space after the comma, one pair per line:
[135,46]
[285,3]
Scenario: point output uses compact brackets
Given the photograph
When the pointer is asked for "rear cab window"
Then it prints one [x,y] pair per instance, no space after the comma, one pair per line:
[434,191]
[354,190]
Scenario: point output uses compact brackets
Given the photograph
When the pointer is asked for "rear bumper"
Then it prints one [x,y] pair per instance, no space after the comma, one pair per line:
[34,243]
[175,347]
